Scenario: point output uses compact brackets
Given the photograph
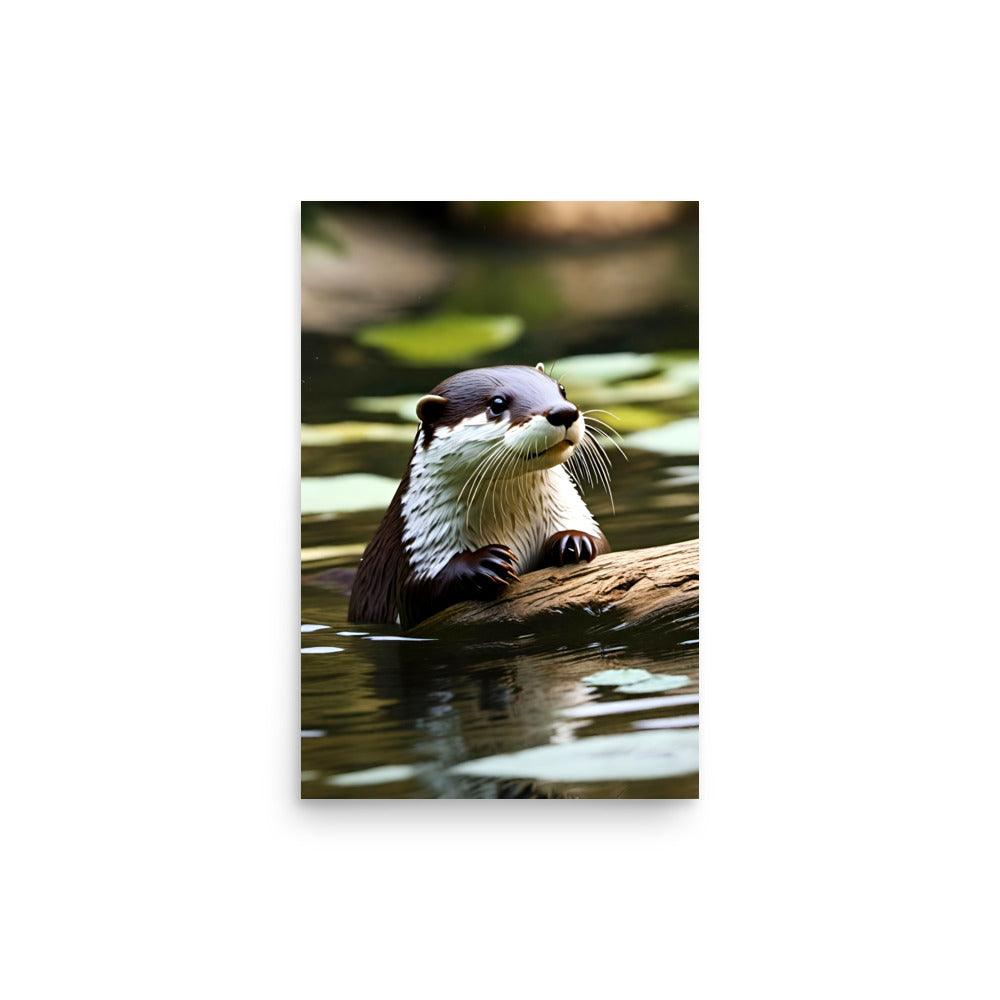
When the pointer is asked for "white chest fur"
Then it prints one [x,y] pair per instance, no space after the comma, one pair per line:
[522,512]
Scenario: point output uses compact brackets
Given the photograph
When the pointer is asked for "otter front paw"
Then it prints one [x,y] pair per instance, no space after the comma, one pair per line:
[566,547]
[483,574]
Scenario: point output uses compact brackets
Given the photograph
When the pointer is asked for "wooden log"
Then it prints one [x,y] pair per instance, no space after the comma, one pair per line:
[639,586]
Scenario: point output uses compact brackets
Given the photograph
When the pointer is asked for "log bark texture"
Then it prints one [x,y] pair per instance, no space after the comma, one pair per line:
[639,586]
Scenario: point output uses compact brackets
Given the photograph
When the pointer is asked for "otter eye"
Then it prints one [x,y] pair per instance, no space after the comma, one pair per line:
[562,390]
[497,405]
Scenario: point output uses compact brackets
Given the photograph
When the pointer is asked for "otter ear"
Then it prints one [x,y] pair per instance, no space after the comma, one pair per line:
[429,408]
[540,367]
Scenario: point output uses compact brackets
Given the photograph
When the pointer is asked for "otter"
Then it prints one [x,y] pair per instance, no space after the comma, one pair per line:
[485,497]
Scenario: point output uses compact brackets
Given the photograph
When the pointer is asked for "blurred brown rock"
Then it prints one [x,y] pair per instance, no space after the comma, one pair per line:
[572,220]
[383,266]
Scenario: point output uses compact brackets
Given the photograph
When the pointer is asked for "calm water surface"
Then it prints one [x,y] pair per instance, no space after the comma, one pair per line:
[386,716]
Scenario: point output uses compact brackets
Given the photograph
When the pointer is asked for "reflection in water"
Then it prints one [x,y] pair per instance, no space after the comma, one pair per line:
[433,705]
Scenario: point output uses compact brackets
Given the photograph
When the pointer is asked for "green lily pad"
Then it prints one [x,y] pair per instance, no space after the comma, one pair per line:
[404,407]
[677,438]
[342,494]
[443,338]
[352,431]
[632,756]
[602,368]
[624,417]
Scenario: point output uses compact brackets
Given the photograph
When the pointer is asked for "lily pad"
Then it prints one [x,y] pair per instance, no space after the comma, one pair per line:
[626,417]
[671,722]
[677,438]
[629,756]
[632,680]
[593,709]
[443,338]
[404,407]
[602,368]
[654,683]
[374,775]
[612,678]
[318,552]
[352,431]
[351,492]
[398,638]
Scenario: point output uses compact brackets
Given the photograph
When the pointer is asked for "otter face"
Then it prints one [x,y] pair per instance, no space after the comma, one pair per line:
[509,420]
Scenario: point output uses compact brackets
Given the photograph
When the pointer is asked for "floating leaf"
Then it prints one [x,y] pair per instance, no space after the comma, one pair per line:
[592,709]
[404,407]
[318,552]
[624,417]
[374,775]
[677,438]
[654,683]
[671,722]
[398,638]
[352,431]
[620,757]
[602,368]
[354,491]
[612,678]
[443,338]
[632,680]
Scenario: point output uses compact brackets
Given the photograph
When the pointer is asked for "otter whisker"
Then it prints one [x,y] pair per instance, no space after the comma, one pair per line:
[578,462]
[602,464]
[589,422]
[595,420]
[608,429]
[597,449]
[588,465]
[477,470]
[516,455]
[488,475]
[596,468]
[476,477]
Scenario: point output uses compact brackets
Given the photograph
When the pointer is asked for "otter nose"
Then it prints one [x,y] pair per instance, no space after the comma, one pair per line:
[562,415]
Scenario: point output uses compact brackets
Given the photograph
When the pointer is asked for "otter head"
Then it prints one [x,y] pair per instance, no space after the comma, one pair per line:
[511,419]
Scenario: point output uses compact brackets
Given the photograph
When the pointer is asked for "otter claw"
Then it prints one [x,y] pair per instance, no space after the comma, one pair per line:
[568,547]
[489,570]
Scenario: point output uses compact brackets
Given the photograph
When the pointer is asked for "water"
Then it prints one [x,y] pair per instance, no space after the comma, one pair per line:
[387,717]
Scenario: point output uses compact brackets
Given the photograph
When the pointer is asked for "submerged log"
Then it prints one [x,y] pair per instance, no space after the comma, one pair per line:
[640,586]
